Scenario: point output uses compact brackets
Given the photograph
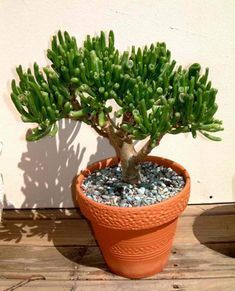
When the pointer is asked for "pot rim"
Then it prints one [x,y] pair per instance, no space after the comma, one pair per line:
[111,161]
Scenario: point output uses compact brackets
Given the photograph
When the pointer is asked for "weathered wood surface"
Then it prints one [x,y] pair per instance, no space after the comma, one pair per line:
[135,285]
[69,263]
[58,245]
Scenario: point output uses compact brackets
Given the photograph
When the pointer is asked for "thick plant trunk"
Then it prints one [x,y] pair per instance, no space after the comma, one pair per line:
[130,169]
[129,158]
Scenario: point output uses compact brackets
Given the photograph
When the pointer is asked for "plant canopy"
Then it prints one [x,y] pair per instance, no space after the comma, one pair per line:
[153,96]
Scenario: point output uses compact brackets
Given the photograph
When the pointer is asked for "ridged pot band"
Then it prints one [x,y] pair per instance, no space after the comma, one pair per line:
[135,218]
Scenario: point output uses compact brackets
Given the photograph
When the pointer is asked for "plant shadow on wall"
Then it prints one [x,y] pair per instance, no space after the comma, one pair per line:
[48,168]
[215,228]
[48,165]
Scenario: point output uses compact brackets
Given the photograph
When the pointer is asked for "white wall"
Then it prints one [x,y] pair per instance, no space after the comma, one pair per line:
[39,174]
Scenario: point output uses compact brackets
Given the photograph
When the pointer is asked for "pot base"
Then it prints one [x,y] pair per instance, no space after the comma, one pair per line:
[151,266]
[136,254]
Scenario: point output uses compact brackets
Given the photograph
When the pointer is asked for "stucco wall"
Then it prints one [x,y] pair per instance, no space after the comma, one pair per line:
[39,174]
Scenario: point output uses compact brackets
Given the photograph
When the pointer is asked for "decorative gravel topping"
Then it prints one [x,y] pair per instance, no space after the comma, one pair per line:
[158,183]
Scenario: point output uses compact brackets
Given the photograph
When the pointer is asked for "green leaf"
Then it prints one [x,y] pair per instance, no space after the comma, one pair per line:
[194,69]
[101,119]
[78,114]
[54,130]
[36,133]
[211,137]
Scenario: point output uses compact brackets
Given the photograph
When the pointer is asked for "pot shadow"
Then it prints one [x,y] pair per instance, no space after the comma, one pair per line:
[215,229]
[88,255]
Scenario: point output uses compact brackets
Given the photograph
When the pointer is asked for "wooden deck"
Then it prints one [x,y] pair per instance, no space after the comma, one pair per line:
[55,250]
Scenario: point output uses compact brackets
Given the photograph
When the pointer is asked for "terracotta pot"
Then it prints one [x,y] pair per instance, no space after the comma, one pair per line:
[135,242]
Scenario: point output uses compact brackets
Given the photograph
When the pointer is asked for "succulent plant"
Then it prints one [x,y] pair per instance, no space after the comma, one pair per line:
[153,97]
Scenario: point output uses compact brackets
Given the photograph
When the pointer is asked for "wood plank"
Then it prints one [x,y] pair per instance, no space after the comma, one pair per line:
[190,230]
[136,285]
[86,263]
[74,213]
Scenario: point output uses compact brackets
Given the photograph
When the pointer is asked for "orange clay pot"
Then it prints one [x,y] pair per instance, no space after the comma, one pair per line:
[135,242]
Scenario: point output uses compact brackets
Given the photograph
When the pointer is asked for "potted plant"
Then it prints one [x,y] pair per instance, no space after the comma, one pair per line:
[132,200]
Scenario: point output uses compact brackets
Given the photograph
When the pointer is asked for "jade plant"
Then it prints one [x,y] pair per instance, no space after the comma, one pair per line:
[150,95]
